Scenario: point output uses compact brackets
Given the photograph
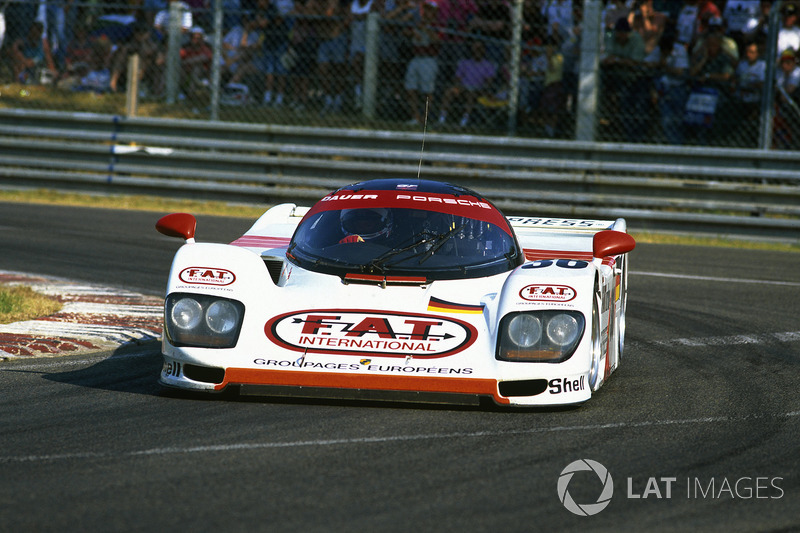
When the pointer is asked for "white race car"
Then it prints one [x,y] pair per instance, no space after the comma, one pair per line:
[401,290]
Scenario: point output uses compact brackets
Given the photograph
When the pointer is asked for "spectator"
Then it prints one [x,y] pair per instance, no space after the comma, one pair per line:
[196,58]
[613,11]
[152,7]
[729,47]
[304,42]
[454,17]
[558,17]
[673,64]
[88,71]
[31,59]
[789,34]
[395,52]
[332,54]
[710,66]
[472,79]
[649,23]
[533,69]
[231,14]
[571,50]
[493,22]
[274,29]
[737,14]
[424,66]
[396,15]
[239,46]
[787,118]
[19,16]
[78,51]
[749,83]
[623,81]
[687,22]
[552,99]
[706,10]
[712,71]
[757,26]
[201,13]
[59,20]
[161,21]
[151,61]
[359,10]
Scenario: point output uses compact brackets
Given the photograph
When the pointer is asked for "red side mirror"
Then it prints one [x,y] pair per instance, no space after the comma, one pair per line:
[180,225]
[609,242]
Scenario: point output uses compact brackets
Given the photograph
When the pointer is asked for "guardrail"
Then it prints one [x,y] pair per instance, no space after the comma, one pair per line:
[735,193]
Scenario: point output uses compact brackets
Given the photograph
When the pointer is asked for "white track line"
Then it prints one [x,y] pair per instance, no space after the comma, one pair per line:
[255,446]
[711,278]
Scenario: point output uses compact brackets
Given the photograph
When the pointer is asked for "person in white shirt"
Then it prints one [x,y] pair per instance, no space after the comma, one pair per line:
[789,34]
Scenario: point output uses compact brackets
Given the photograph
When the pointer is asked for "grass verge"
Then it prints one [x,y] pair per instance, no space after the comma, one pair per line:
[18,303]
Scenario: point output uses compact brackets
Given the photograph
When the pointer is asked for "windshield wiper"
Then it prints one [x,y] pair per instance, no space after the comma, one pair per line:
[439,242]
[379,262]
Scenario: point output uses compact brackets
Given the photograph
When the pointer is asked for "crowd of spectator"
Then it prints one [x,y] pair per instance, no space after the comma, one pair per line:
[672,71]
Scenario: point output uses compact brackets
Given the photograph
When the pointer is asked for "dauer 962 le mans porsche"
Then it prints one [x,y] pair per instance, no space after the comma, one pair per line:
[403,290]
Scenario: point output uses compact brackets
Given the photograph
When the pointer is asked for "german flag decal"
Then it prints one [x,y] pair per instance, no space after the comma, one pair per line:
[443,306]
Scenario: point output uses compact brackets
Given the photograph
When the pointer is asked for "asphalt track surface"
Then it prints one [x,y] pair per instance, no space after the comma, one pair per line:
[698,429]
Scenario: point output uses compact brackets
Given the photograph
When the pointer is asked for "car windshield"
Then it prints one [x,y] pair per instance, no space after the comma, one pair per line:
[382,238]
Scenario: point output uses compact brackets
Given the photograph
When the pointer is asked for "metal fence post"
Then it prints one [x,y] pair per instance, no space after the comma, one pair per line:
[589,72]
[216,60]
[514,58]
[371,61]
[768,95]
[132,86]
[174,50]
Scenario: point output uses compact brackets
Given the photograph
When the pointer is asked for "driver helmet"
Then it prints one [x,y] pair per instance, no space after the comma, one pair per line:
[367,223]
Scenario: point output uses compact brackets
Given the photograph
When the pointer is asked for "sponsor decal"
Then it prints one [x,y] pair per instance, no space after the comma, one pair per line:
[207,276]
[380,333]
[443,306]
[397,369]
[559,385]
[349,197]
[548,293]
[443,200]
[466,206]
[559,223]
[171,369]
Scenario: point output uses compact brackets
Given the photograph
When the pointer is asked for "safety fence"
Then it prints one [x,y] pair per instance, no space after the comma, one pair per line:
[499,69]
[737,193]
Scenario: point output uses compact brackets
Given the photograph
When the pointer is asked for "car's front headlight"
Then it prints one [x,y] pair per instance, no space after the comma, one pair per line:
[539,336]
[202,320]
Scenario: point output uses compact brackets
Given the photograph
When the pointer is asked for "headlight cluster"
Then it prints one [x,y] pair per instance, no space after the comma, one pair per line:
[202,320]
[540,336]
